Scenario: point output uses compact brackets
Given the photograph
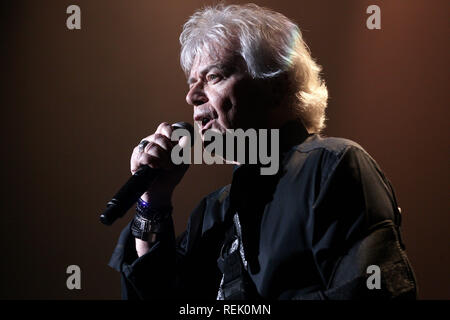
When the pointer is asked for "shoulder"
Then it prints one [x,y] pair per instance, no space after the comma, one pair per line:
[321,156]
[329,151]
[336,146]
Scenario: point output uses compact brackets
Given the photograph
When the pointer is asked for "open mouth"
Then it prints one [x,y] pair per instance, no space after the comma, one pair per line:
[204,118]
[206,124]
[205,121]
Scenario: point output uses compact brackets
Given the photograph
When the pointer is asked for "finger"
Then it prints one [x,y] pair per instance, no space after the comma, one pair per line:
[160,140]
[152,161]
[152,150]
[155,150]
[134,160]
[166,129]
[184,141]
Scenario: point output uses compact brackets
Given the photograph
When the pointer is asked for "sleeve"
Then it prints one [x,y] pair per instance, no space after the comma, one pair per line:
[355,225]
[160,273]
[151,275]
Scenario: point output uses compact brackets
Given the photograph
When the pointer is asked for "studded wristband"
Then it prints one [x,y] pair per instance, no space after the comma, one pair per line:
[148,220]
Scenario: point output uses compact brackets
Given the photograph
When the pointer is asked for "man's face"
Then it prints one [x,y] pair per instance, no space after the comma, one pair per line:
[223,94]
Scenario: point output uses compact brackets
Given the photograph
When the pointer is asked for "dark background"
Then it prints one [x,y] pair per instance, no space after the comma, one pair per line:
[75,103]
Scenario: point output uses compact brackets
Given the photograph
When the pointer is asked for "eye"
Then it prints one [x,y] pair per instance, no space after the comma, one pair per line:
[212,77]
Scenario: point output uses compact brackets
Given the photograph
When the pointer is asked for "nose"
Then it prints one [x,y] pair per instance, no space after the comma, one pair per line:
[196,95]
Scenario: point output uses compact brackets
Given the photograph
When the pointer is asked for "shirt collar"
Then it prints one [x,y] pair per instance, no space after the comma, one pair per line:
[292,133]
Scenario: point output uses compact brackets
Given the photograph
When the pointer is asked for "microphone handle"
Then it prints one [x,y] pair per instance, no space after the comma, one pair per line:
[130,192]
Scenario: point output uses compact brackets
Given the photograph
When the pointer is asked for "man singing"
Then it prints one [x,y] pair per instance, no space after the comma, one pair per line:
[325,226]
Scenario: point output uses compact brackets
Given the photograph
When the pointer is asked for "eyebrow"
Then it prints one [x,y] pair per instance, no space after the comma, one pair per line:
[206,70]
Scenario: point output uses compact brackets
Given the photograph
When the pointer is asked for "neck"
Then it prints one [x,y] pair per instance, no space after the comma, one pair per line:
[279,116]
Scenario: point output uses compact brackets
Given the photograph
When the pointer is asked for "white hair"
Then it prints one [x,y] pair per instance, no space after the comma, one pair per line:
[271,45]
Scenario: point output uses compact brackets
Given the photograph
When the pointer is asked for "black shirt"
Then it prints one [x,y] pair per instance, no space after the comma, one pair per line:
[309,232]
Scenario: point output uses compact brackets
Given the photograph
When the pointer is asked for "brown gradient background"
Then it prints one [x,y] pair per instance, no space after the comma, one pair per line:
[75,103]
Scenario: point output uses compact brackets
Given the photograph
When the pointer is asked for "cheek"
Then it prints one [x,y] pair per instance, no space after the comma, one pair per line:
[246,94]
[224,106]
[244,101]
[234,103]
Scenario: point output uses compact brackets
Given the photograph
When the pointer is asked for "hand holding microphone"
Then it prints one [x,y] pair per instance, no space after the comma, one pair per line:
[154,175]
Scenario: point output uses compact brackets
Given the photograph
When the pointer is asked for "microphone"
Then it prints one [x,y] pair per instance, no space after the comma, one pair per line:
[136,185]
